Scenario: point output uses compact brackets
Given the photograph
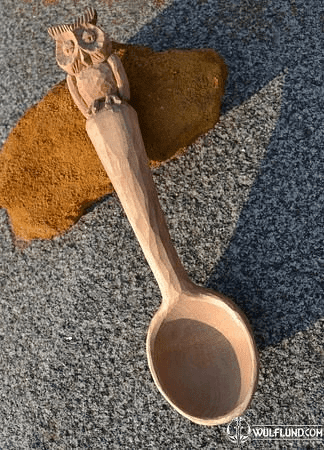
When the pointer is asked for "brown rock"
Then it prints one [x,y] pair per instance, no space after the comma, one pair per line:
[50,173]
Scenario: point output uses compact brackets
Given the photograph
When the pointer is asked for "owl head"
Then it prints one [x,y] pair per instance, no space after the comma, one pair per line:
[81,43]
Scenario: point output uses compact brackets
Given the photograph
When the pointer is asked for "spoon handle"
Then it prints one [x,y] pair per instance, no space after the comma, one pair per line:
[116,136]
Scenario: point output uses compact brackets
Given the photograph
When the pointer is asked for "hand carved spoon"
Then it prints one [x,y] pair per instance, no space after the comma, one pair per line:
[200,347]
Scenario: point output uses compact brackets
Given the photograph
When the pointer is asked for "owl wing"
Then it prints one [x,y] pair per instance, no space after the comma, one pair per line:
[78,100]
[120,76]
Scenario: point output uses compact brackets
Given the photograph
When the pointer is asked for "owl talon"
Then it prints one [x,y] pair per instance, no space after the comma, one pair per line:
[95,106]
[110,100]
[116,99]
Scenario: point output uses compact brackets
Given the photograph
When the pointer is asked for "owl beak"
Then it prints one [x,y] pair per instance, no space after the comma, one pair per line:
[85,58]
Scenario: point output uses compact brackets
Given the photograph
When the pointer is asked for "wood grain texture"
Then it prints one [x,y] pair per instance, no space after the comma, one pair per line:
[200,347]
[116,136]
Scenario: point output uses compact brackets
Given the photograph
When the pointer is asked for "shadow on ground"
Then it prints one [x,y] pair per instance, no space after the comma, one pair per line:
[273,267]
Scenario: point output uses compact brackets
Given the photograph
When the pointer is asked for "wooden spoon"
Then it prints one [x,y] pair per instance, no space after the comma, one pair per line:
[200,347]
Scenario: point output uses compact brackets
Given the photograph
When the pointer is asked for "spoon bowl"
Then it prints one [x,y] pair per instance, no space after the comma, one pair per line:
[202,356]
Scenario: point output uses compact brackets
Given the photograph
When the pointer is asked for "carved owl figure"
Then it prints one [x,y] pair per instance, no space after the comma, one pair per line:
[95,76]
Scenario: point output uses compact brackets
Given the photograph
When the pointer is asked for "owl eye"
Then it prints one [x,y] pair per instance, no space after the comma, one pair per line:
[88,37]
[68,47]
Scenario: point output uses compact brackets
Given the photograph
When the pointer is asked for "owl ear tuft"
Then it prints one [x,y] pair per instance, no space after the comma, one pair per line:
[56,30]
[90,16]
[52,32]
